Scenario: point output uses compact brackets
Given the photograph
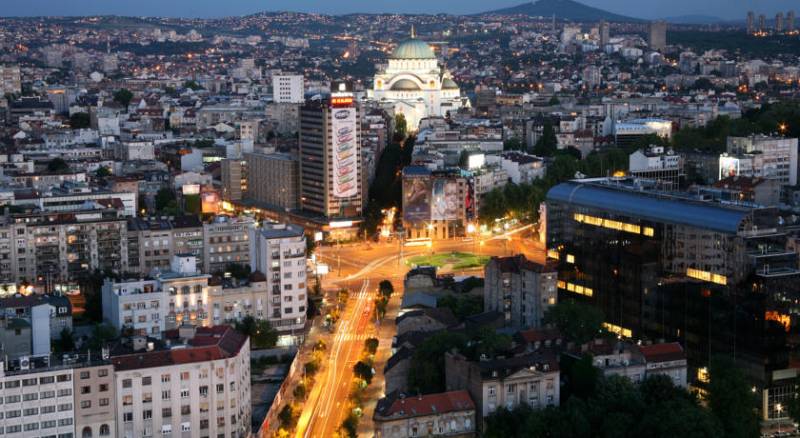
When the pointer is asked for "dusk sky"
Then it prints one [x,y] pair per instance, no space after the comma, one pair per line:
[727,9]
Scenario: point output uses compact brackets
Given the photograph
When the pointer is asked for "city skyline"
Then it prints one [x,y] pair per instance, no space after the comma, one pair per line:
[649,9]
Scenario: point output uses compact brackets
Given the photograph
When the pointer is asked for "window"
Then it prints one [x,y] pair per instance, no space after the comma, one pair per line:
[185,375]
[186,410]
[85,375]
[31,411]
[88,389]
[126,383]
[48,409]
[186,427]
[86,404]
[105,430]
[46,380]
[66,392]
[64,378]
[103,402]
[103,387]
[49,424]
[30,397]
[220,388]
[65,422]
[184,393]
[165,395]
[12,384]
[165,378]
[102,373]
[29,382]
[65,407]
[166,429]
[204,391]
[12,399]
[127,400]
[147,414]
[166,412]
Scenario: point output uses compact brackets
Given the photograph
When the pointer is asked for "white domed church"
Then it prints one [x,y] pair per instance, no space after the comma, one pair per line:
[415,84]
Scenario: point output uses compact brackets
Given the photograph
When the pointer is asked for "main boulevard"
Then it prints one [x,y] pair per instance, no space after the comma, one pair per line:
[360,268]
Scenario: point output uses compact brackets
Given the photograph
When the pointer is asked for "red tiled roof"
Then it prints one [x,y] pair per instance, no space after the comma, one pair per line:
[663,352]
[539,334]
[209,343]
[430,404]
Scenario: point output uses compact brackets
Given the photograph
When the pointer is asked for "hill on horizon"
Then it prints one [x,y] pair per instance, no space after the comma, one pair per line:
[562,9]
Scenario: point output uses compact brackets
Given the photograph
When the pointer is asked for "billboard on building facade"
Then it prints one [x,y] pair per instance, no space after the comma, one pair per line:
[345,152]
[728,166]
[444,205]
[416,199]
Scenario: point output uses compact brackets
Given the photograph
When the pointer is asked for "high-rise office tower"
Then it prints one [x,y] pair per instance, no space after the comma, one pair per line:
[658,35]
[604,34]
[330,156]
[790,21]
[762,23]
[779,22]
[751,18]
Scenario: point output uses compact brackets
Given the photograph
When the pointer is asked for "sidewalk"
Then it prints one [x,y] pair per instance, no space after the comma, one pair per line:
[386,332]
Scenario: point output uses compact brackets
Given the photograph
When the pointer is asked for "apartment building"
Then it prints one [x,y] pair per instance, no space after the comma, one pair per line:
[231,299]
[62,246]
[29,322]
[275,183]
[760,156]
[279,251]
[196,384]
[521,289]
[10,79]
[148,307]
[449,414]
[154,241]
[226,241]
[38,400]
[531,379]
[288,89]
[95,401]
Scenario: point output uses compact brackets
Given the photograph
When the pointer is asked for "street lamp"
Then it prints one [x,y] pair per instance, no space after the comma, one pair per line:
[779,408]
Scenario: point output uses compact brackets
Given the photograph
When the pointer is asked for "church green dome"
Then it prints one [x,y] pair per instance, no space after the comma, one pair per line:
[413,49]
[405,85]
[449,84]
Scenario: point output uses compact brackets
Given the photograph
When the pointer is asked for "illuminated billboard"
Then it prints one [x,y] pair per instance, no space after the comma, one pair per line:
[416,199]
[444,205]
[345,152]
[210,202]
[728,166]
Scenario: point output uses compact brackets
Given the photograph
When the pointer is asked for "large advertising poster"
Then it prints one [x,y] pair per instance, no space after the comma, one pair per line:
[416,199]
[445,200]
[345,150]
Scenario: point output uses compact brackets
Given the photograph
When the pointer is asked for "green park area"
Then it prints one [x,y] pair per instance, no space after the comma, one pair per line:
[452,260]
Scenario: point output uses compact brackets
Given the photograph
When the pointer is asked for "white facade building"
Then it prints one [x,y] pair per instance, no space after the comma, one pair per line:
[288,89]
[279,251]
[149,307]
[197,386]
[760,156]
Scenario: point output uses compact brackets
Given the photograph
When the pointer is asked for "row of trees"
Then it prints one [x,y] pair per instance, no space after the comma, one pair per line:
[617,408]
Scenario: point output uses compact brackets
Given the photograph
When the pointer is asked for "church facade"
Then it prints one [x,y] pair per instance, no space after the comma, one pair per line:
[415,84]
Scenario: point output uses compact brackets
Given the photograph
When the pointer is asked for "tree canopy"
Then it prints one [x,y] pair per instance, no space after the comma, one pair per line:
[618,408]
[578,322]
[261,333]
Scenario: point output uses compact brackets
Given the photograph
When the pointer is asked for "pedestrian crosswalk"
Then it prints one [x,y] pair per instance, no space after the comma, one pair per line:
[356,337]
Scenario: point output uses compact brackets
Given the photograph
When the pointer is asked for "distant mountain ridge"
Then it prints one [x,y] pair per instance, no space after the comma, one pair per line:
[562,9]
